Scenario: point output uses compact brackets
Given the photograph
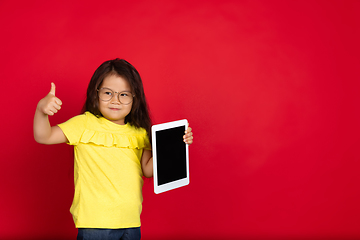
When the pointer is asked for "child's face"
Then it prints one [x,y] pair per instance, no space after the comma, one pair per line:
[114,110]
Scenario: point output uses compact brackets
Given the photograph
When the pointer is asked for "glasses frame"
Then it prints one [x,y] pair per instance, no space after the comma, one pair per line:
[118,95]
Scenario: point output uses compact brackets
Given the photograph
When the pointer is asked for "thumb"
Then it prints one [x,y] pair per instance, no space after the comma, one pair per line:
[52,90]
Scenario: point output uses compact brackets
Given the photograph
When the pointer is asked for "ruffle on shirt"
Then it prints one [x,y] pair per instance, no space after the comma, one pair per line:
[118,140]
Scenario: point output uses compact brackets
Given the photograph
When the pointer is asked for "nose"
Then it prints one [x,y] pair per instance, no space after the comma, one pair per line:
[115,99]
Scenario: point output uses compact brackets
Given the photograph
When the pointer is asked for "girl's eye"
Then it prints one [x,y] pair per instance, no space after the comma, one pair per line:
[124,94]
[108,93]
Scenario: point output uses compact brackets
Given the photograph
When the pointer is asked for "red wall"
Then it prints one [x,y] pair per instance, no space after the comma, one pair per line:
[271,89]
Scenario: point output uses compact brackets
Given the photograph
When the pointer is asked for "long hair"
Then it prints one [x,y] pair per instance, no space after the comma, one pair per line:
[139,116]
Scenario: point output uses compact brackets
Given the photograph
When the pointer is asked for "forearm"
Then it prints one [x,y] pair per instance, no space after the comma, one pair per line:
[44,133]
[42,127]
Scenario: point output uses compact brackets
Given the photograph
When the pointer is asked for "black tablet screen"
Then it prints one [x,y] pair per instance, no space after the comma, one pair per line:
[171,155]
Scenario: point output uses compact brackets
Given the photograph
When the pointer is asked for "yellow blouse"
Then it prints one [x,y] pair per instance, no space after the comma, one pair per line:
[107,171]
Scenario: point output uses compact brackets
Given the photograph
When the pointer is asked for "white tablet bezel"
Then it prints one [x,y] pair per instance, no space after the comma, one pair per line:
[178,183]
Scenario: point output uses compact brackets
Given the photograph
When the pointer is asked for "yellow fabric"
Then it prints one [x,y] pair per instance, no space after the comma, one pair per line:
[107,172]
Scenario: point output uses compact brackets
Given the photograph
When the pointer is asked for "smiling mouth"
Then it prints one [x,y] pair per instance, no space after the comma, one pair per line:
[115,109]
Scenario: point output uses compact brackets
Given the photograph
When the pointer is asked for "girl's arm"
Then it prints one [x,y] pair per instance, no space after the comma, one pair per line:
[147,160]
[147,163]
[43,132]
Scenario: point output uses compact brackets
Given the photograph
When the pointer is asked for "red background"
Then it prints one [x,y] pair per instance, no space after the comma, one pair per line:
[271,89]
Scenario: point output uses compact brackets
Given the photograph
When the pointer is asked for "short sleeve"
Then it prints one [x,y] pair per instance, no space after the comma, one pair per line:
[74,128]
[147,143]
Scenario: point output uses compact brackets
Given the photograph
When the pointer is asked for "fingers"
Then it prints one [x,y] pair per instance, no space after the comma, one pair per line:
[54,104]
[53,108]
[58,101]
[188,137]
[189,129]
[52,90]
[50,104]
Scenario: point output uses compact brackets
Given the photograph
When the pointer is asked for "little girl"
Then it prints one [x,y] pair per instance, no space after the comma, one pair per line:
[112,151]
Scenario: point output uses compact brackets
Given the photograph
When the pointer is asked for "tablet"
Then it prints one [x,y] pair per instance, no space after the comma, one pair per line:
[170,156]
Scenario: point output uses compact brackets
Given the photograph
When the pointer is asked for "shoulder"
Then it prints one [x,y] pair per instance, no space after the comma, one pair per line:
[138,138]
[79,119]
[135,130]
[91,118]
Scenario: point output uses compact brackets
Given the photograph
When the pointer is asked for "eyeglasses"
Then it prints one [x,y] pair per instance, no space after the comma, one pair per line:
[106,94]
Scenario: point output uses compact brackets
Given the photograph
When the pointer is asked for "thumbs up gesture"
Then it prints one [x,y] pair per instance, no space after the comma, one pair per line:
[50,104]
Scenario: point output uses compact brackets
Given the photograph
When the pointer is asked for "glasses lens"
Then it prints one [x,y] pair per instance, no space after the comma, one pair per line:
[125,97]
[105,94]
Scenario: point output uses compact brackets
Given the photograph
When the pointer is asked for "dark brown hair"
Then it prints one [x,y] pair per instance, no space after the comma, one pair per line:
[139,115]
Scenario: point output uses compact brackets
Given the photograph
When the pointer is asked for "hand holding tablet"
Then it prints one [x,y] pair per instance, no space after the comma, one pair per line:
[170,156]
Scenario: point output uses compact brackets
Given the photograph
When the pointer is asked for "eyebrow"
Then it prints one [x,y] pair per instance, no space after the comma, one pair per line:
[116,91]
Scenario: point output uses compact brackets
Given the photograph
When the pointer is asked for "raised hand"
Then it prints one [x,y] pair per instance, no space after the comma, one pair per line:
[50,104]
